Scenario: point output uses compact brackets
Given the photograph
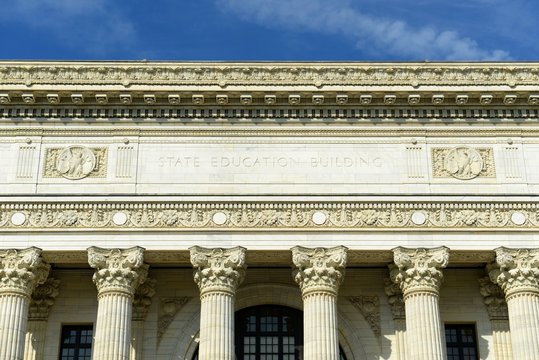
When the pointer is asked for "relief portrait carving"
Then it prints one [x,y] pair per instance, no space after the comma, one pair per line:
[464,163]
[75,162]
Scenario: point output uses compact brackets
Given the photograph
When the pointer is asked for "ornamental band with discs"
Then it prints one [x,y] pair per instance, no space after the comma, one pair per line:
[281,210]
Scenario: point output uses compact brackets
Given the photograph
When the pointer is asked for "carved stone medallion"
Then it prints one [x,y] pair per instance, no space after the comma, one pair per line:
[463,163]
[75,162]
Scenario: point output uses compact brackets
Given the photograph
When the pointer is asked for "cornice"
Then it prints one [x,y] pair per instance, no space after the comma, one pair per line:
[268,74]
[269,216]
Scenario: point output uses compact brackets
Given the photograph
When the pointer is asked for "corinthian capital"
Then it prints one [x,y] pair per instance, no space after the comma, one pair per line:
[516,270]
[218,269]
[118,270]
[42,299]
[319,269]
[22,270]
[419,269]
[494,299]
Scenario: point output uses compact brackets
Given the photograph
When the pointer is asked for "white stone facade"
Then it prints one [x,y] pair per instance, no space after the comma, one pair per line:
[154,201]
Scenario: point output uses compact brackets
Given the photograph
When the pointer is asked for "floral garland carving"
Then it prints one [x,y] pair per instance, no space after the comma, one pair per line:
[15,216]
[414,74]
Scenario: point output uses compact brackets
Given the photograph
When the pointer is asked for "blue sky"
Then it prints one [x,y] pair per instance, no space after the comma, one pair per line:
[381,30]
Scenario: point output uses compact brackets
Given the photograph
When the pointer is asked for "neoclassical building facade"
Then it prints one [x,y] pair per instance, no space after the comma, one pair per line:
[272,211]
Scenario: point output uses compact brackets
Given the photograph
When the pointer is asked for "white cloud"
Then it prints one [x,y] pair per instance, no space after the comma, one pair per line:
[383,35]
[93,25]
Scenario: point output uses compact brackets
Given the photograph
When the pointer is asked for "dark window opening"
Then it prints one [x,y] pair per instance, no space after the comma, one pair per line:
[76,342]
[461,342]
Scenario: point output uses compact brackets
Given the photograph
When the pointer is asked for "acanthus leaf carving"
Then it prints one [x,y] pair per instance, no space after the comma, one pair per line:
[319,269]
[168,309]
[369,307]
[22,270]
[118,270]
[218,269]
[395,299]
[494,299]
[516,270]
[143,299]
[419,270]
[42,299]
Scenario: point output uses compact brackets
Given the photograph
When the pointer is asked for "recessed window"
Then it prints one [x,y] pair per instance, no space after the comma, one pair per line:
[76,342]
[461,342]
[269,332]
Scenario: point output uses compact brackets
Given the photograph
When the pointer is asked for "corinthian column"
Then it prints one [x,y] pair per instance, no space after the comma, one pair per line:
[418,273]
[118,274]
[319,274]
[218,273]
[517,273]
[20,272]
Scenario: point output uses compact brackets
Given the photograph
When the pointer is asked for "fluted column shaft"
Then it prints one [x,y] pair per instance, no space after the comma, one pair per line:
[321,337]
[217,326]
[418,273]
[524,321]
[400,339]
[35,340]
[502,340]
[516,271]
[218,273]
[20,272]
[426,340]
[113,330]
[319,274]
[118,274]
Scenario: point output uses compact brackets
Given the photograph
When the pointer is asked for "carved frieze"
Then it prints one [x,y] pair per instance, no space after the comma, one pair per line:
[263,216]
[75,162]
[463,163]
[369,307]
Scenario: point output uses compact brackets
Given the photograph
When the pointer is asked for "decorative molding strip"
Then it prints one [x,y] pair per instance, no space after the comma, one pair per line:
[224,74]
[342,114]
[237,131]
[267,216]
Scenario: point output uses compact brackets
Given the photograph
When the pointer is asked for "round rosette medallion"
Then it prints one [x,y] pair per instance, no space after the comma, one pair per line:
[75,162]
[464,163]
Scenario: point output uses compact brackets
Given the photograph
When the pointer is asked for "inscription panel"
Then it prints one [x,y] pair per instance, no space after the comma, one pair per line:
[268,163]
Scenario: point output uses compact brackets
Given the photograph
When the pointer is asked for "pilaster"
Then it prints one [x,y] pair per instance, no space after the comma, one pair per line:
[41,303]
[396,303]
[494,300]
[319,273]
[141,304]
